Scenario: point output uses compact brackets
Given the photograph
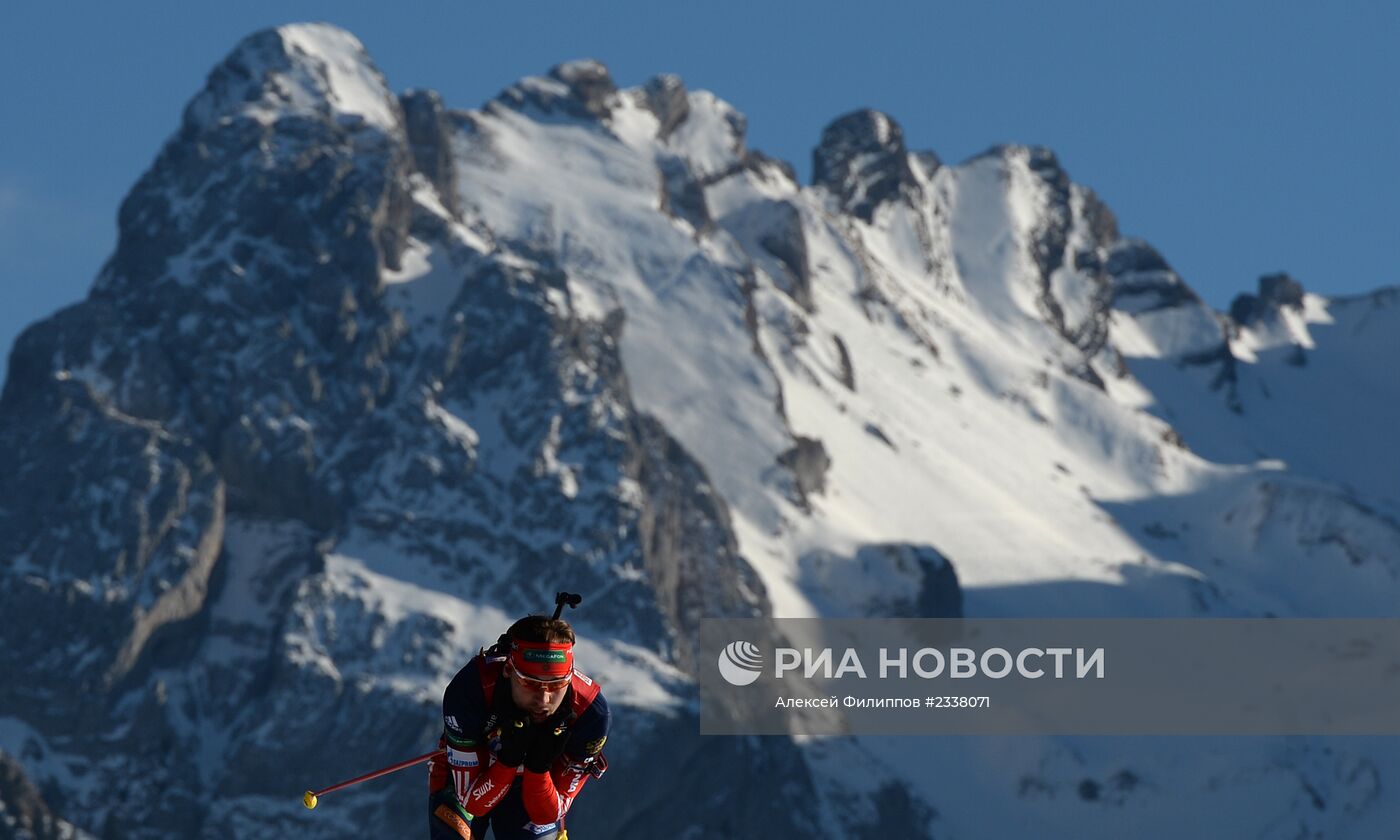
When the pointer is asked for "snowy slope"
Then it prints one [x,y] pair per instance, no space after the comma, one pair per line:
[965,427]
[368,377]
[941,369]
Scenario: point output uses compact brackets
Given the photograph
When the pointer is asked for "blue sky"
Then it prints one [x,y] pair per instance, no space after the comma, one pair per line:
[1240,138]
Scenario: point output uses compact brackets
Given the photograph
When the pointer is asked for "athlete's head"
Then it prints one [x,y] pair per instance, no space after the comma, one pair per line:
[541,663]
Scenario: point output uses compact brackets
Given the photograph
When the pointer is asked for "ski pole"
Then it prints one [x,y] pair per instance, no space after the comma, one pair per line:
[309,798]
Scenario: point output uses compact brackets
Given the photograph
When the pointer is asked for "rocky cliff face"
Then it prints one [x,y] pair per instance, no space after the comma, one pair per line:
[24,815]
[246,392]
[368,377]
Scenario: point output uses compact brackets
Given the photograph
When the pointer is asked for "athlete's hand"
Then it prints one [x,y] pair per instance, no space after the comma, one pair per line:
[515,741]
[546,743]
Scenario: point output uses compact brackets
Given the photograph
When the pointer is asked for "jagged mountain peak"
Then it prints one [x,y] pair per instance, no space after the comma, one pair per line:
[1280,315]
[588,80]
[1136,256]
[1042,161]
[1276,291]
[308,69]
[863,162]
[220,217]
[666,97]
[582,88]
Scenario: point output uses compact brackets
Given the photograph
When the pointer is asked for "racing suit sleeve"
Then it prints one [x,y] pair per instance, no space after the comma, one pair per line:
[450,779]
[462,764]
[464,757]
[489,789]
[547,796]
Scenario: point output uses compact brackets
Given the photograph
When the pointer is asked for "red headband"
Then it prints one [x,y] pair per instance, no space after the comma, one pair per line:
[542,660]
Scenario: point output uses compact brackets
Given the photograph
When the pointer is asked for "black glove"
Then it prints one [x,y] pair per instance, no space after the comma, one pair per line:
[548,737]
[547,742]
[515,741]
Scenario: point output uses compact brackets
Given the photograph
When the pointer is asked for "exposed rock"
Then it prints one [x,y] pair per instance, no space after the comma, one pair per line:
[666,97]
[1280,290]
[757,162]
[682,196]
[863,163]
[940,597]
[589,83]
[24,814]
[879,434]
[1276,291]
[202,188]
[271,469]
[787,242]
[687,541]
[429,131]
[895,809]
[1090,295]
[930,161]
[1048,247]
[848,373]
[295,72]
[582,89]
[1103,225]
[808,462]
[124,515]
[1145,287]
[940,594]
[887,580]
[1243,308]
[1142,279]
[1134,256]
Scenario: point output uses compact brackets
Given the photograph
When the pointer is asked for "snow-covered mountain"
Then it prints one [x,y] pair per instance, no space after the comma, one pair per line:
[367,377]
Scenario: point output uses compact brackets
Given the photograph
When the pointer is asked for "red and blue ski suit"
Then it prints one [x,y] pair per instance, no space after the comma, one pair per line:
[468,787]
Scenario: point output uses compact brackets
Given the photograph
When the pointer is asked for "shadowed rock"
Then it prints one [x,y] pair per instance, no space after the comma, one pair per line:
[429,131]
[808,462]
[582,89]
[862,161]
[1276,291]
[666,97]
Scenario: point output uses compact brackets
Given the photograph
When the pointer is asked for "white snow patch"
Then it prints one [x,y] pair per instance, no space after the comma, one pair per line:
[350,83]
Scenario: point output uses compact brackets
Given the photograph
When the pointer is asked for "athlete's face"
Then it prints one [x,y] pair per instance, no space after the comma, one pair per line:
[539,699]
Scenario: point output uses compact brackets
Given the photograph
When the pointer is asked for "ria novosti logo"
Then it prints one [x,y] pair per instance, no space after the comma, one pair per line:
[740,663]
